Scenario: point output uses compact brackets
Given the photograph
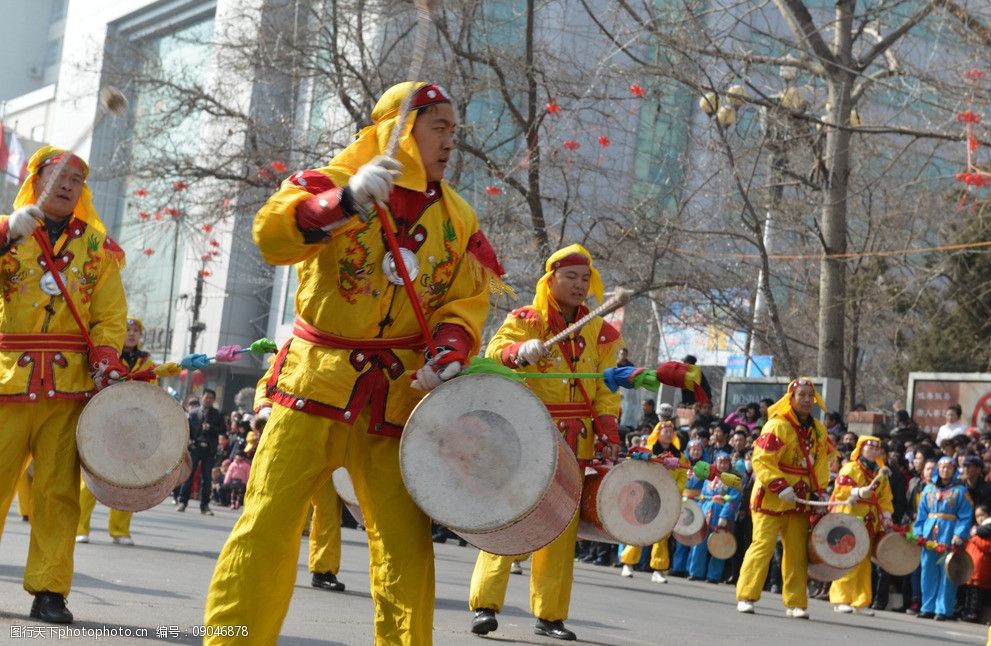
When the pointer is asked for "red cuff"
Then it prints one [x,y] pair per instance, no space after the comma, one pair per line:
[777,485]
[606,428]
[455,337]
[509,353]
[104,358]
[321,210]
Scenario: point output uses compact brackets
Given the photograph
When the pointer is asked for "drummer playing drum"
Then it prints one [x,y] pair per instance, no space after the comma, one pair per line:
[852,592]
[790,462]
[583,409]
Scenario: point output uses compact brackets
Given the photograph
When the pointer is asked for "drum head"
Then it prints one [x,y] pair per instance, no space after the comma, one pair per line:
[343,485]
[721,544]
[638,502]
[839,540]
[132,434]
[479,452]
[896,555]
[691,518]
[959,567]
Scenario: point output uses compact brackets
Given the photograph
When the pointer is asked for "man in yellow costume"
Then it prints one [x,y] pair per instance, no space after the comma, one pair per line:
[49,365]
[790,462]
[341,386]
[119,525]
[584,410]
[852,592]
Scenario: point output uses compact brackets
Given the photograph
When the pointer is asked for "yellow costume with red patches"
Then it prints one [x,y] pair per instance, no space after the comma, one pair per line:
[45,369]
[341,385]
[787,454]
[584,411]
[854,588]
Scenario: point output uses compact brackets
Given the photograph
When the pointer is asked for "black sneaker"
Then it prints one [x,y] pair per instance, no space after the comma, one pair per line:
[925,615]
[553,629]
[326,581]
[484,621]
[50,607]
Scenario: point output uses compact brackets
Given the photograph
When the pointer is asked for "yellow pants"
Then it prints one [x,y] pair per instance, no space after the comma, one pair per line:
[256,570]
[551,575]
[854,587]
[660,559]
[24,495]
[46,431]
[794,532]
[119,523]
[325,531]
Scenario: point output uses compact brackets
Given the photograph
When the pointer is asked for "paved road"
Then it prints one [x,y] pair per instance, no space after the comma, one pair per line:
[162,581]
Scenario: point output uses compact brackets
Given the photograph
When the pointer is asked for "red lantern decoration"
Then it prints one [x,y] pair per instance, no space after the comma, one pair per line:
[144,216]
[205,257]
[180,186]
[148,252]
[493,190]
[214,243]
[207,228]
[172,212]
[158,216]
[141,192]
[637,90]
[206,273]
[553,108]
[198,378]
[278,167]
[571,144]
[604,141]
[968,117]
[974,74]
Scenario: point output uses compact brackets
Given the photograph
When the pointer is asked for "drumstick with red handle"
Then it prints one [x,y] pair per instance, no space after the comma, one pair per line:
[883,473]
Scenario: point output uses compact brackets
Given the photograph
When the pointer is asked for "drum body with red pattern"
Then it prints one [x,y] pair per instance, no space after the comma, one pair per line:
[634,502]
[691,528]
[481,456]
[838,540]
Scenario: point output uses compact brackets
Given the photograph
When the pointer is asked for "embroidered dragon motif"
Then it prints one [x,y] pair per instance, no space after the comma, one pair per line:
[353,270]
[440,276]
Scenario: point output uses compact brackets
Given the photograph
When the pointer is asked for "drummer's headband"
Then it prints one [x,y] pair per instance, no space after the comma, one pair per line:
[798,383]
[571,260]
[73,161]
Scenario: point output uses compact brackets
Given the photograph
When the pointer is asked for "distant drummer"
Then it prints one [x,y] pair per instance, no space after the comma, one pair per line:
[584,410]
[49,367]
[790,462]
[119,524]
[853,591]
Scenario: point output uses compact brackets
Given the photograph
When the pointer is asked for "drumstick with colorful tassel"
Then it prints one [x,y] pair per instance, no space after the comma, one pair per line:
[883,473]
[225,354]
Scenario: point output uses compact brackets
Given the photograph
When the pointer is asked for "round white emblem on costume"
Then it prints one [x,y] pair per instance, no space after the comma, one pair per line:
[409,259]
[48,284]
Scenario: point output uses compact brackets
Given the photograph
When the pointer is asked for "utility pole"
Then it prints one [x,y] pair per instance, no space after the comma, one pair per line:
[196,326]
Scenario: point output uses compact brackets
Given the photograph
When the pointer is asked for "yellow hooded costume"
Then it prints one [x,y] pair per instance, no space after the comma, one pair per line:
[341,385]
[584,410]
[44,368]
[787,455]
[854,588]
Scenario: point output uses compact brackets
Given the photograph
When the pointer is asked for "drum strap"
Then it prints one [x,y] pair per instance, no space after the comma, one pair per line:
[809,466]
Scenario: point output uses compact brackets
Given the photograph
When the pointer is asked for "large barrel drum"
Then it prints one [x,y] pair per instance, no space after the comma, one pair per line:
[635,502]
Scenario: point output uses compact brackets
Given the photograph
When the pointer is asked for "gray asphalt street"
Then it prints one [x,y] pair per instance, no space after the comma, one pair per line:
[156,591]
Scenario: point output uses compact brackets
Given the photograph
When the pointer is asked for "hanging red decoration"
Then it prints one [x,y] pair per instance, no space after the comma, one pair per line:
[148,252]
[637,90]
[144,216]
[972,143]
[180,186]
[604,141]
[207,228]
[215,253]
[171,211]
[279,167]
[975,180]
[493,190]
[198,378]
[571,144]
[141,192]
[974,74]
[227,203]
[205,257]
[968,117]
[214,243]
[553,108]
[158,216]
[206,273]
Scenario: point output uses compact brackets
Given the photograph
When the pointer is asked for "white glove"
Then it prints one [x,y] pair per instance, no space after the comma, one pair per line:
[721,523]
[854,495]
[530,352]
[886,520]
[264,412]
[787,494]
[433,374]
[23,222]
[373,181]
[957,541]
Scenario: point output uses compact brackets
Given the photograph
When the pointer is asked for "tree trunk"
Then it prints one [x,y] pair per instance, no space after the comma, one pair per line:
[533,142]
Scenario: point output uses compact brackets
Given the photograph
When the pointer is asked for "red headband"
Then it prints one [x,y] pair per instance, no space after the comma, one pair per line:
[429,94]
[798,383]
[73,161]
[571,260]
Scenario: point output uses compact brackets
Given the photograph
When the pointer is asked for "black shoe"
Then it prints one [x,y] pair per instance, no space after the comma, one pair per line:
[602,562]
[692,578]
[553,629]
[439,538]
[484,621]
[939,617]
[462,542]
[679,574]
[50,607]
[326,581]
[25,519]
[925,615]
[181,507]
[899,609]
[588,558]
[206,512]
